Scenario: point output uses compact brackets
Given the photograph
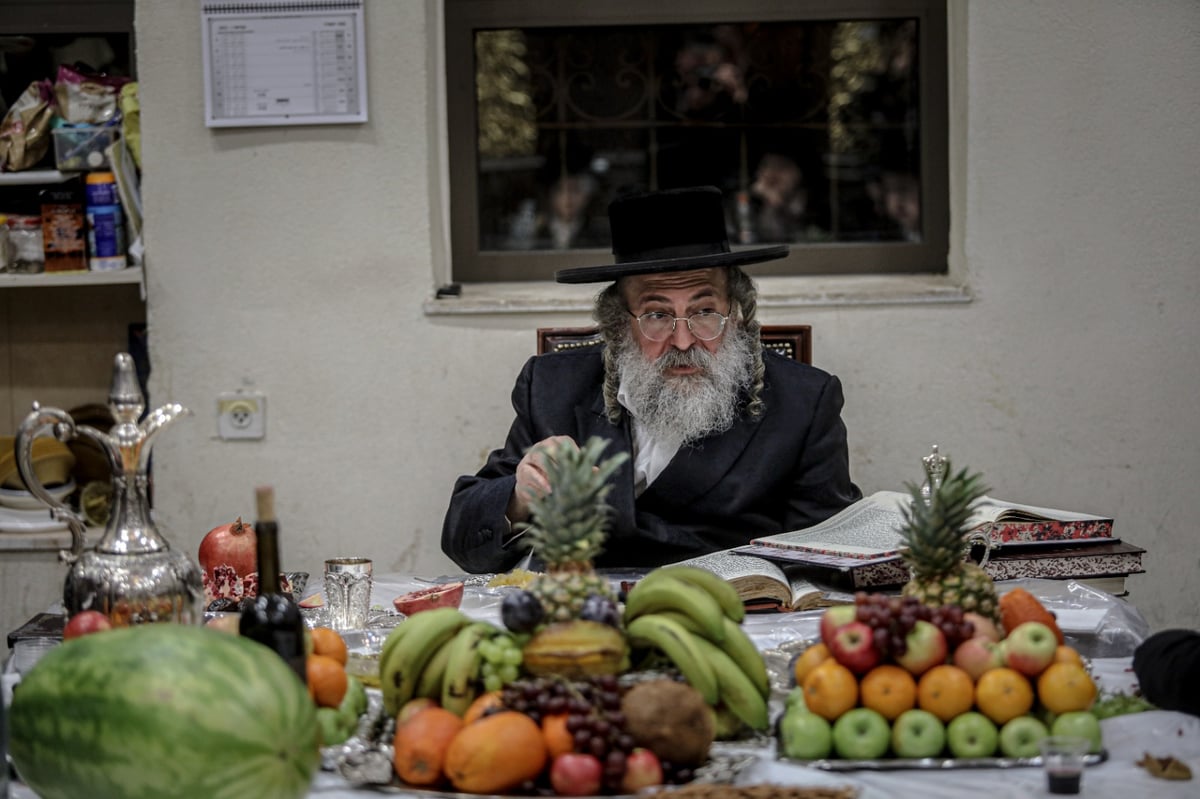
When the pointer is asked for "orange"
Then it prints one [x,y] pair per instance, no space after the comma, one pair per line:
[1067,654]
[808,660]
[328,642]
[558,740]
[482,704]
[1063,687]
[1003,694]
[946,691]
[830,689]
[888,689]
[420,744]
[327,681]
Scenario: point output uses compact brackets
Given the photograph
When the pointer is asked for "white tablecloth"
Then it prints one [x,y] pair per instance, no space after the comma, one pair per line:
[1097,624]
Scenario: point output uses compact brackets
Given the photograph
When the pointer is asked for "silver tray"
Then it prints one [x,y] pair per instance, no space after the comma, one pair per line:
[931,763]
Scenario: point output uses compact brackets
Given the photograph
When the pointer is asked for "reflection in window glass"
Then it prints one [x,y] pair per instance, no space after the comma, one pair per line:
[811,129]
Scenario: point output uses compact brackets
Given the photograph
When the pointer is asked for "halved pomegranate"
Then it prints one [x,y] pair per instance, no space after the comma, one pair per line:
[447,595]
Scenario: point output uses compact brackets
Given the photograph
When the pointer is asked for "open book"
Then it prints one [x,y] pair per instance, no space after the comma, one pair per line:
[761,584]
[870,528]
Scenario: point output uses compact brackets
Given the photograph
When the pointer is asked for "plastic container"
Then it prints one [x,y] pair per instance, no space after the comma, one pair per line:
[106,238]
[79,148]
[25,244]
[101,189]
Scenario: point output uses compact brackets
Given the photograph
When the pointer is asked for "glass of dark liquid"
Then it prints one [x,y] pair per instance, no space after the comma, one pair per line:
[1062,760]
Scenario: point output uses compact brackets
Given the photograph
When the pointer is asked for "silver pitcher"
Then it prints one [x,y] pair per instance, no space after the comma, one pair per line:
[132,575]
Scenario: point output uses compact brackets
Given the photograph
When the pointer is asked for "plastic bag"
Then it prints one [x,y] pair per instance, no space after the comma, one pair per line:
[87,99]
[25,130]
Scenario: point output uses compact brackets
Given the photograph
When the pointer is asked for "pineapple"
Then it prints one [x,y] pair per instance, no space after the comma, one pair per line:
[569,526]
[934,533]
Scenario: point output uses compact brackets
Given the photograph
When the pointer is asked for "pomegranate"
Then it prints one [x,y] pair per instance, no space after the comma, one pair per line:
[448,595]
[232,545]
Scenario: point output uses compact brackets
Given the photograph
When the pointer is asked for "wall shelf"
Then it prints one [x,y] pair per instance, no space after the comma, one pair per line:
[132,274]
[33,177]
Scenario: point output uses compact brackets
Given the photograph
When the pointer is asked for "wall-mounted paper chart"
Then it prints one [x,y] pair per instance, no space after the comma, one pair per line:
[287,62]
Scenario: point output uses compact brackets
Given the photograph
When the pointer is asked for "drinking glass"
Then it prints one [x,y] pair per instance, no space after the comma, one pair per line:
[348,592]
[1062,760]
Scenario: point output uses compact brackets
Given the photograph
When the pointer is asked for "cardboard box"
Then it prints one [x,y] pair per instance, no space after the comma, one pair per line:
[64,231]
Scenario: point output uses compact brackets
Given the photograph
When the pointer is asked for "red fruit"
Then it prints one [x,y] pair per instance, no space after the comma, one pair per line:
[234,545]
[448,595]
[642,770]
[833,619]
[86,622]
[576,774]
[853,645]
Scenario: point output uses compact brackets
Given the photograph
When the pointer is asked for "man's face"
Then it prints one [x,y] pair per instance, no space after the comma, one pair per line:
[678,294]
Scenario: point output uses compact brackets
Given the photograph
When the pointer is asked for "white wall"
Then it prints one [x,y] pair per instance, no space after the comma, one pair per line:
[296,261]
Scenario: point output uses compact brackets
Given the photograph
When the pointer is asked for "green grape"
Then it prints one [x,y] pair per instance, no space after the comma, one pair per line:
[489,650]
[492,682]
[512,656]
[508,673]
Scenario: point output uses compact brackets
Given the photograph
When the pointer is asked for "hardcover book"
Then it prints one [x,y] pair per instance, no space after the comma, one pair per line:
[762,584]
[870,529]
[1083,562]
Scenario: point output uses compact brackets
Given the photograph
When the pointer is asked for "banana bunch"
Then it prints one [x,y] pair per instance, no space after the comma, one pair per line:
[437,654]
[694,618]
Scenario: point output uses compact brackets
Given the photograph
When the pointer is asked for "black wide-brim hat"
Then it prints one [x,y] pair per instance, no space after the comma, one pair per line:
[674,230]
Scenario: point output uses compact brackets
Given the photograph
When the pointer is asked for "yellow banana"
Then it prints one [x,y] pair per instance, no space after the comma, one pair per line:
[680,646]
[670,593]
[463,665]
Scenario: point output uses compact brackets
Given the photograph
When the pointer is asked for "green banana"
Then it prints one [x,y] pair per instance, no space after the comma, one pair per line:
[680,646]
[741,649]
[430,630]
[462,668]
[392,641]
[736,691]
[671,593]
[433,676]
[720,589]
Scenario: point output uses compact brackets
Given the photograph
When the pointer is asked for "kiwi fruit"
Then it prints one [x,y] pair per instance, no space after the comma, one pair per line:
[670,719]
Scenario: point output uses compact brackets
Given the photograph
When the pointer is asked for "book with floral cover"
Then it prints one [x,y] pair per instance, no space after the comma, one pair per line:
[870,529]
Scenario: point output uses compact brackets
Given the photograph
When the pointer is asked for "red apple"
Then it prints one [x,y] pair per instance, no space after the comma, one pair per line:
[575,774]
[833,618]
[642,770]
[925,648]
[983,626]
[853,646]
[86,622]
[977,655]
[1030,648]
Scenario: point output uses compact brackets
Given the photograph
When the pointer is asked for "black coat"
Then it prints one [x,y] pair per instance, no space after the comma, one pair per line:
[785,470]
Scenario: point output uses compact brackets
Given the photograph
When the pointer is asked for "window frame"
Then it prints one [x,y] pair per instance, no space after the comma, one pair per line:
[469,264]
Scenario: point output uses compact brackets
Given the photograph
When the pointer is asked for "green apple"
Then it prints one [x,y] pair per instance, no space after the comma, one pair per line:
[795,699]
[804,735]
[1019,737]
[861,734]
[1081,724]
[332,729]
[972,734]
[918,733]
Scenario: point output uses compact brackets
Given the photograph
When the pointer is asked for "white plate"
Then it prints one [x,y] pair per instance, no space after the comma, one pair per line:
[25,500]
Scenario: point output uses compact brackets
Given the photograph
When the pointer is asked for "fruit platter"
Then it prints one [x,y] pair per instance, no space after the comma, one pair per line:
[577,686]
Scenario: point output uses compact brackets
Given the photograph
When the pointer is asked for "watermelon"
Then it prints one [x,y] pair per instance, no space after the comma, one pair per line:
[160,711]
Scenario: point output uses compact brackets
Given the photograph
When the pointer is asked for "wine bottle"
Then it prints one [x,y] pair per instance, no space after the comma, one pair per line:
[274,618]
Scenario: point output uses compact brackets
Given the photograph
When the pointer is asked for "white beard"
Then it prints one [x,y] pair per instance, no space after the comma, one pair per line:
[683,410]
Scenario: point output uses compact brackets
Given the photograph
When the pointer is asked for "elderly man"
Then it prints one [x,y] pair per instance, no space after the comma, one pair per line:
[726,442]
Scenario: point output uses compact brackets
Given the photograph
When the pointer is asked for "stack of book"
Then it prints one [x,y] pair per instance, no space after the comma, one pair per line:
[859,548]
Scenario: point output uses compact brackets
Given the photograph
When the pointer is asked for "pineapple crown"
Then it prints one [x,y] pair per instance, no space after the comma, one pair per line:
[935,527]
[570,523]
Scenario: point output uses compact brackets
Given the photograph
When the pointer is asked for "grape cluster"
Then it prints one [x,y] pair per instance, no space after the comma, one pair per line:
[501,661]
[594,717]
[892,618]
[602,609]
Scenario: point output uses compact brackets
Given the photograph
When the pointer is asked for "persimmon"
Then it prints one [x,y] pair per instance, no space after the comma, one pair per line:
[421,743]
[482,705]
[329,642]
[559,740]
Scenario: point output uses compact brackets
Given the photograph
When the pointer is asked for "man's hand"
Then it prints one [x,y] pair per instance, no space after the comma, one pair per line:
[531,476]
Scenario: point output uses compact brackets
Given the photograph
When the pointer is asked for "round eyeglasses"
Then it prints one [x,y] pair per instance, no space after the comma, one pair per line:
[659,326]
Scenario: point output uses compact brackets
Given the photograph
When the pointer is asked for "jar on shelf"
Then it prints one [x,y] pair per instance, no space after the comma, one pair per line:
[26,249]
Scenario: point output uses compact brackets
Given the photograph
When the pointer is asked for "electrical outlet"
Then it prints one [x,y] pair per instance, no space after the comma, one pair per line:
[241,414]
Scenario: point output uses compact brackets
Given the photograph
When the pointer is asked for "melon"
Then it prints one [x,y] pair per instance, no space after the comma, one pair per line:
[163,711]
